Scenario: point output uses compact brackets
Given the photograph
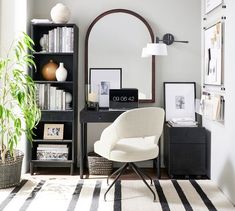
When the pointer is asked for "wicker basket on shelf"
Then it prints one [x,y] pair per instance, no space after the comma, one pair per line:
[98,165]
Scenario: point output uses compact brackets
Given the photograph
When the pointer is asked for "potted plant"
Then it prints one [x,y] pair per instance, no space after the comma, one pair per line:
[19,112]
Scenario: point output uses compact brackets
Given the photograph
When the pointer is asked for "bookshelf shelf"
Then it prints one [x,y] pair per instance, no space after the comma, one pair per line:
[42,141]
[52,95]
[53,82]
[53,53]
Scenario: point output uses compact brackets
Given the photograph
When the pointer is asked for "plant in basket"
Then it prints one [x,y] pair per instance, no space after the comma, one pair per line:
[19,112]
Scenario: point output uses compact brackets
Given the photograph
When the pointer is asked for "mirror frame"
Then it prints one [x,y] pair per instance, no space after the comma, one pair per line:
[152,100]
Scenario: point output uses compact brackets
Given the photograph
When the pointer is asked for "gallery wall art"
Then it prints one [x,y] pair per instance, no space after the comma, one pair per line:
[213,54]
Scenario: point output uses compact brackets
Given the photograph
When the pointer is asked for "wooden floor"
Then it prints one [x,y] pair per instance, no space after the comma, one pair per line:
[128,174]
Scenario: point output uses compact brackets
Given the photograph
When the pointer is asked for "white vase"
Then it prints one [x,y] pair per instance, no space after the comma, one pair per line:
[60,13]
[61,73]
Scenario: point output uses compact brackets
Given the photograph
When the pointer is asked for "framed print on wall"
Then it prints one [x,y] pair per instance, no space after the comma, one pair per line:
[53,131]
[104,79]
[213,54]
[212,4]
[179,100]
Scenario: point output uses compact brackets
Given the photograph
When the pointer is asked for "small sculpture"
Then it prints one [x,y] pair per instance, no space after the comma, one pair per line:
[60,13]
[68,100]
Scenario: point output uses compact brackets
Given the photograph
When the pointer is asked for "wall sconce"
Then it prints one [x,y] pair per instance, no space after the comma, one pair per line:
[159,49]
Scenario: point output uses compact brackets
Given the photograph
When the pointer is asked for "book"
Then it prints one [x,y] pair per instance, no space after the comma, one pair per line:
[37,20]
[183,122]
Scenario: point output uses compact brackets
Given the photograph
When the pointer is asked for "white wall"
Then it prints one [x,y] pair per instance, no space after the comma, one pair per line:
[6,20]
[181,18]
[222,141]
[13,21]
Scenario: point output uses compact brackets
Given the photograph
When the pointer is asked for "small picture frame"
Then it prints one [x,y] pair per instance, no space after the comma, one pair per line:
[53,131]
[104,79]
[179,100]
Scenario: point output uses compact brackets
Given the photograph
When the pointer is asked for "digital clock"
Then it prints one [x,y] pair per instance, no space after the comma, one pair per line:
[123,98]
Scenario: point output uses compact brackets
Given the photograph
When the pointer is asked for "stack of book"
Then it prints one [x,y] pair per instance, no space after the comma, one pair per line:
[59,39]
[51,98]
[52,152]
[183,122]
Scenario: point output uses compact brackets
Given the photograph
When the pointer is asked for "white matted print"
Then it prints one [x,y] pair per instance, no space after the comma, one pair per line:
[212,4]
[105,79]
[213,55]
[179,100]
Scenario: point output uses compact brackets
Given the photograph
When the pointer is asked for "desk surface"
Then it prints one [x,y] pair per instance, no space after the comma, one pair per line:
[102,115]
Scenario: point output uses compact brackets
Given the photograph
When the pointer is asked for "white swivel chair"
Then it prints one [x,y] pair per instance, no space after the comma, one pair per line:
[132,137]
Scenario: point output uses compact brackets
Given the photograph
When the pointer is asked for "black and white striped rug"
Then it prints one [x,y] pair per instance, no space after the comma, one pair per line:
[62,193]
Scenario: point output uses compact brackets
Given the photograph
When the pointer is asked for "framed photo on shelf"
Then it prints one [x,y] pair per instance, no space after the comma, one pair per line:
[212,4]
[103,79]
[53,131]
[179,100]
[213,54]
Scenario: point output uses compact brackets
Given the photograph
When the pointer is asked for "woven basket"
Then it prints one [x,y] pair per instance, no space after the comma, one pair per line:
[99,165]
[10,171]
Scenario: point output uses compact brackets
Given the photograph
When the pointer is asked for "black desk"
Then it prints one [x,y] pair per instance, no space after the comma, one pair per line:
[88,116]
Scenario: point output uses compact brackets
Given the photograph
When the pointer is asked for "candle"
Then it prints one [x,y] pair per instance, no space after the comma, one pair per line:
[92,97]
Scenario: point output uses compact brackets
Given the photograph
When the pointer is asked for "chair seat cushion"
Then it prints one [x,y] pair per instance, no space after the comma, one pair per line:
[130,149]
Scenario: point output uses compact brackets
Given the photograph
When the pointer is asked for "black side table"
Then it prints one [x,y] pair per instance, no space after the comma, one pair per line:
[186,151]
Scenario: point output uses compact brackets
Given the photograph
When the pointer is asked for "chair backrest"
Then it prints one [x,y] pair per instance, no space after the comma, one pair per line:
[140,122]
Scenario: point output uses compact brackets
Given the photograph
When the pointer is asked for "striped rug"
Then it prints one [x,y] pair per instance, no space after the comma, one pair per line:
[60,193]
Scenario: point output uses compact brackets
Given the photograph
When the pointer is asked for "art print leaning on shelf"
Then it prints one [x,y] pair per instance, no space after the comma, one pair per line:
[53,131]
[105,79]
[213,55]
[179,100]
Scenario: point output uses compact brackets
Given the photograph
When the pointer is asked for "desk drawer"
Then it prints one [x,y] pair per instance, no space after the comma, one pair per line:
[188,135]
[99,116]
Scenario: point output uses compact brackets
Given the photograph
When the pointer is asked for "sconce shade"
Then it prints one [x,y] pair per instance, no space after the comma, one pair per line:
[145,53]
[160,49]
[157,49]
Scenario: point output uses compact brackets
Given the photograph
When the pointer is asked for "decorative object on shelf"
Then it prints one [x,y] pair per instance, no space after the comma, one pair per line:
[179,100]
[60,13]
[213,55]
[49,70]
[105,79]
[19,113]
[53,131]
[68,100]
[52,152]
[159,49]
[92,98]
[61,73]
[212,4]
[44,43]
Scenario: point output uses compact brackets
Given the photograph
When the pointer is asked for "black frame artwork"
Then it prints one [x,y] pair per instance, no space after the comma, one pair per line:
[179,99]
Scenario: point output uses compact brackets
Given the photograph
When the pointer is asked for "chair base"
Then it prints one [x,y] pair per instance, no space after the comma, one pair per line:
[121,170]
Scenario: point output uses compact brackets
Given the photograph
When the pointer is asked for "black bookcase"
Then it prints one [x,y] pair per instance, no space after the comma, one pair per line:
[67,117]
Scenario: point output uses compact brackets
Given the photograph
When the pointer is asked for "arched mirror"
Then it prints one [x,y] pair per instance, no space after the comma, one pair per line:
[115,40]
